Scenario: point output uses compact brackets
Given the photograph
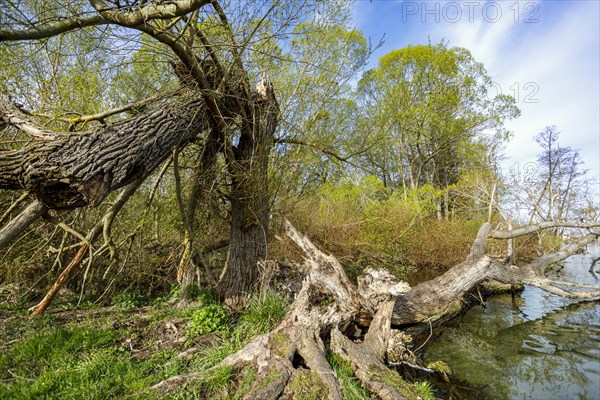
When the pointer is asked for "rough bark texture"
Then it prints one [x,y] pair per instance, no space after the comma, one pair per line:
[75,169]
[443,295]
[250,197]
[329,313]
[326,306]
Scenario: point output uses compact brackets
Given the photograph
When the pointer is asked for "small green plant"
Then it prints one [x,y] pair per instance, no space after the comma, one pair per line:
[210,318]
[218,381]
[424,390]
[128,300]
[351,387]
[203,295]
[263,312]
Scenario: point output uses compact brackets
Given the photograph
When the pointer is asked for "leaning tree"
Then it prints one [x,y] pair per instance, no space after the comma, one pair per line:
[218,107]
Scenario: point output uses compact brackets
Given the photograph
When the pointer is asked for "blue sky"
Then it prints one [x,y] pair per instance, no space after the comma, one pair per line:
[547,52]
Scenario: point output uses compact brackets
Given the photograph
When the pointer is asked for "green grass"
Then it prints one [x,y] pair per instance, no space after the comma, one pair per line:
[350,386]
[263,312]
[425,390]
[75,362]
[85,354]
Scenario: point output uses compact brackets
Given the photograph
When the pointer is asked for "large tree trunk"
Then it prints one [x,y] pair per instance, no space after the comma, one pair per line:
[250,198]
[69,170]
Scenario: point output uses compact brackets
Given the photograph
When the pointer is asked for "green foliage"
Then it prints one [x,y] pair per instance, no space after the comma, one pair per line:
[365,224]
[207,319]
[427,109]
[128,300]
[350,386]
[424,390]
[217,382]
[263,312]
[78,362]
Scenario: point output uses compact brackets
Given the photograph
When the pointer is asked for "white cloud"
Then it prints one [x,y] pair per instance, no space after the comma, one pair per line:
[559,55]
[553,62]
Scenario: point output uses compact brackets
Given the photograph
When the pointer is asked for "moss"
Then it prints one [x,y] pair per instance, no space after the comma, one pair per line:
[261,383]
[308,386]
[441,368]
[279,343]
[394,380]
[453,307]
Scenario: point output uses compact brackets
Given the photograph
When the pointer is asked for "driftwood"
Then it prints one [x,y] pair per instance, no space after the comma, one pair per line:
[329,311]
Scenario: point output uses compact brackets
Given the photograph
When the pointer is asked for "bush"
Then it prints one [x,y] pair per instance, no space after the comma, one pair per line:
[366,224]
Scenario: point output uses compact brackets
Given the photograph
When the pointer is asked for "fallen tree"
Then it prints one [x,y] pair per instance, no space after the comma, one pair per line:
[329,314]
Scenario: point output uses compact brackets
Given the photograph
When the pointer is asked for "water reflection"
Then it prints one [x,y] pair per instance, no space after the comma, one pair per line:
[539,346]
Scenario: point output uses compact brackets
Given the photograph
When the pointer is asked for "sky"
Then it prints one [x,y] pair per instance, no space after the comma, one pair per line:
[544,53]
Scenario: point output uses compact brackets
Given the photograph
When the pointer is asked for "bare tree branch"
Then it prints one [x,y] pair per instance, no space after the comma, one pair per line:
[541,263]
[11,115]
[536,227]
[148,12]
[52,29]
[25,218]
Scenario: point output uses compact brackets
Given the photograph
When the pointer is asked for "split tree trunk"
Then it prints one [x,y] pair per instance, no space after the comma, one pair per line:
[250,198]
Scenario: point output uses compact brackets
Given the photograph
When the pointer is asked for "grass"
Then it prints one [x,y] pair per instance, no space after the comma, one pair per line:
[350,386]
[263,312]
[104,353]
[116,352]
[424,390]
[73,362]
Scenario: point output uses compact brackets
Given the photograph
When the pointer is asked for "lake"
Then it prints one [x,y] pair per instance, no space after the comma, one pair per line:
[536,346]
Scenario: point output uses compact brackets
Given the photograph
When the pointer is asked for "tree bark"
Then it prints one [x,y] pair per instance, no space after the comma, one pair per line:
[17,225]
[329,313]
[71,170]
[250,198]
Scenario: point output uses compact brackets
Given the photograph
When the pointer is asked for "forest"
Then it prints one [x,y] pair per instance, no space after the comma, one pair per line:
[220,199]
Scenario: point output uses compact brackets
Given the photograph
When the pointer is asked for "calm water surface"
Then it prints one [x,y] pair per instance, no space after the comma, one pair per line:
[539,346]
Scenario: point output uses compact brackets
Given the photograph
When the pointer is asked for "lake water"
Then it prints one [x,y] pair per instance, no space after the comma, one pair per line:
[539,346]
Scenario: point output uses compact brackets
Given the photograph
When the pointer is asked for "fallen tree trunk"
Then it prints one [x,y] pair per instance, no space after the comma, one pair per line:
[330,313]
[443,295]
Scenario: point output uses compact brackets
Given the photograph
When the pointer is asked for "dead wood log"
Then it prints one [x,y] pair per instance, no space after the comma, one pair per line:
[443,295]
[22,221]
[328,305]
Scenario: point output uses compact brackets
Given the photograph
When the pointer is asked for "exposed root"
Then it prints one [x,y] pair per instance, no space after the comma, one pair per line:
[291,360]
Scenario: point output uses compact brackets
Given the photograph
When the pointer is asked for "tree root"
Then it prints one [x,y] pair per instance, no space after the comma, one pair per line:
[291,360]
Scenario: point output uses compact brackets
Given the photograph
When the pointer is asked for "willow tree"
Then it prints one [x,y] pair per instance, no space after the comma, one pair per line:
[429,106]
[216,105]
